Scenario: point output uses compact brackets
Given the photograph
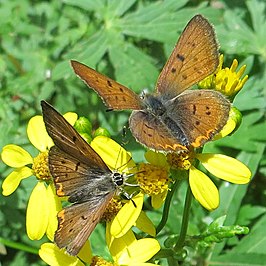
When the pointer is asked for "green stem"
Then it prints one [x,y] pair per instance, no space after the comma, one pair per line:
[166,207]
[19,246]
[185,219]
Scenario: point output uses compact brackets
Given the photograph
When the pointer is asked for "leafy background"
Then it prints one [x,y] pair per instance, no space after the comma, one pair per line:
[130,40]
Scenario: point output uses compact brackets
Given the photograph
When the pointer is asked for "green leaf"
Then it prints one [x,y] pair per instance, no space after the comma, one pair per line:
[237,259]
[133,68]
[157,21]
[256,241]
[91,51]
[248,213]
[119,7]
[231,195]
[94,5]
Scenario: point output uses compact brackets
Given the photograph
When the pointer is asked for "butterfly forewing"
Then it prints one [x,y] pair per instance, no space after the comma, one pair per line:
[67,139]
[115,95]
[194,57]
[76,179]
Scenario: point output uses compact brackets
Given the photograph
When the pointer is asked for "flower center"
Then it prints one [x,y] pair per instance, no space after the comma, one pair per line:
[181,160]
[152,179]
[98,261]
[40,166]
[112,209]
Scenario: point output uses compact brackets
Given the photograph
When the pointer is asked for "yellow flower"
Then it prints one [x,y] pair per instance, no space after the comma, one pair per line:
[43,203]
[153,177]
[127,250]
[54,256]
[118,159]
[226,80]
[221,166]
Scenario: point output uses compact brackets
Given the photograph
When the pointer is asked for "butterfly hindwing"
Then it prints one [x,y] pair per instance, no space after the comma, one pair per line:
[76,222]
[150,131]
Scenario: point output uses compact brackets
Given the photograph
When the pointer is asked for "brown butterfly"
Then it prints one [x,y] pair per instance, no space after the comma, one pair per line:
[81,174]
[172,119]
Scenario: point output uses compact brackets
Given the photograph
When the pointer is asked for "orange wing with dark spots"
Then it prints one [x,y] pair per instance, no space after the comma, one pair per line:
[114,95]
[194,57]
[67,139]
[202,114]
[150,131]
[82,214]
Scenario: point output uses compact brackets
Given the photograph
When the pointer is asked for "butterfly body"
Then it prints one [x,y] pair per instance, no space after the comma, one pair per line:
[173,118]
[80,174]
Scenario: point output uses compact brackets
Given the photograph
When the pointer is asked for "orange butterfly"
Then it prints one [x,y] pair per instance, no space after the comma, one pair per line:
[173,118]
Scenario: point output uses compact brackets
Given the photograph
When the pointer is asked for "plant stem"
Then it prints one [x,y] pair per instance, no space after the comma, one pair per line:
[18,246]
[185,219]
[166,207]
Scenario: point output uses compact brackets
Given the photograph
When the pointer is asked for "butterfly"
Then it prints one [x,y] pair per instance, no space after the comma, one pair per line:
[81,174]
[173,118]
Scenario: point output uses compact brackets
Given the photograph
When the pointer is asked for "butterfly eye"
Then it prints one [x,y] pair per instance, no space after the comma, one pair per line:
[142,95]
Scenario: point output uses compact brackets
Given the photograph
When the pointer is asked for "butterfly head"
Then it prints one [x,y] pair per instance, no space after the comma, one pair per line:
[154,105]
[118,179]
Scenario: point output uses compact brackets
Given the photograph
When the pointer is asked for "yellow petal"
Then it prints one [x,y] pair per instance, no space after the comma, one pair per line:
[232,124]
[203,189]
[52,255]
[145,224]
[225,167]
[15,156]
[54,205]
[71,118]
[127,216]
[37,212]
[112,153]
[227,129]
[85,253]
[37,133]
[156,158]
[12,181]
[118,245]
[158,200]
[108,237]
[141,264]
[139,251]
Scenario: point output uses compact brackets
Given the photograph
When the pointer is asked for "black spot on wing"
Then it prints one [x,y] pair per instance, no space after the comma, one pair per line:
[194,109]
[109,83]
[180,57]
